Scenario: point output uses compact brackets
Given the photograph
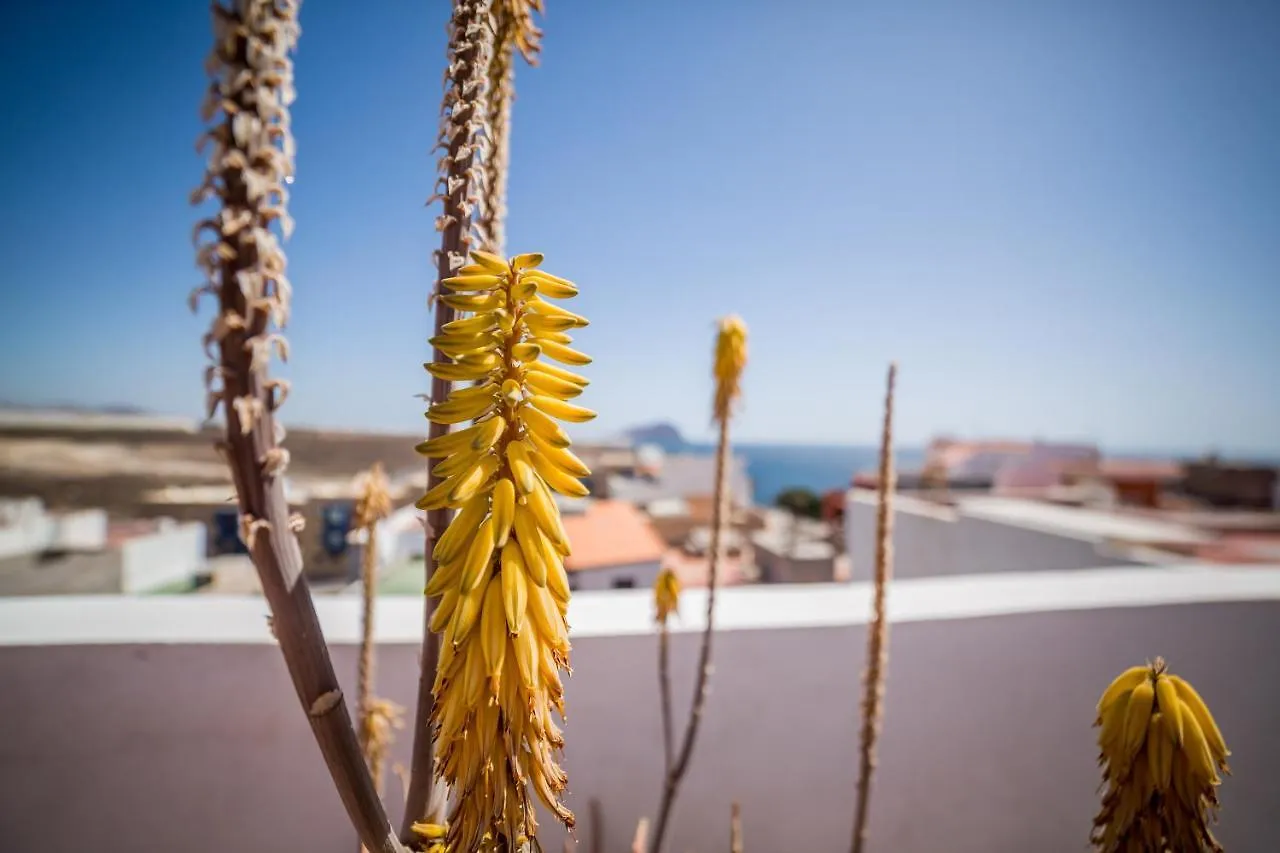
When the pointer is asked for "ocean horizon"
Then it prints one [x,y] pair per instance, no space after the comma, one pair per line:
[773,468]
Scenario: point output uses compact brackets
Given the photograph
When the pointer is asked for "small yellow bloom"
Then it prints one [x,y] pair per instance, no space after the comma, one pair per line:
[730,361]
[666,595]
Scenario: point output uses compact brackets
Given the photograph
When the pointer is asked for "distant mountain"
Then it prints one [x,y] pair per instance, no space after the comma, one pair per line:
[664,435]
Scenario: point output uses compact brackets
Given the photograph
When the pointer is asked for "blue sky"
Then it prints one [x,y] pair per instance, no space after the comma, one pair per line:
[1062,218]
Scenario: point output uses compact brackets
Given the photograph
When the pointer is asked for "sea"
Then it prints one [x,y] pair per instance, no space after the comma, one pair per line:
[773,468]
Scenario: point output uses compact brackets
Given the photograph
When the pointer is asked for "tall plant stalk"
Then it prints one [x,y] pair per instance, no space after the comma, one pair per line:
[372,505]
[666,601]
[878,630]
[515,32]
[664,696]
[501,92]
[730,360]
[377,716]
[250,160]
[462,139]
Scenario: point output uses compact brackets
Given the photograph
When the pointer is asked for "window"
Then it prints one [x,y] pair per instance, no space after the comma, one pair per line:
[624,583]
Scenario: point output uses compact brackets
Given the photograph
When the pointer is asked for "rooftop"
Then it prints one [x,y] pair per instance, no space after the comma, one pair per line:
[779,542]
[610,533]
[1160,470]
[1086,524]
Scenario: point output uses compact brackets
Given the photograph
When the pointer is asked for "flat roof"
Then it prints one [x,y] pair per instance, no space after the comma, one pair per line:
[907,503]
[1090,525]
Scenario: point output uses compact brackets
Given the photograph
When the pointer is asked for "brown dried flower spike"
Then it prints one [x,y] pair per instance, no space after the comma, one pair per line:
[250,150]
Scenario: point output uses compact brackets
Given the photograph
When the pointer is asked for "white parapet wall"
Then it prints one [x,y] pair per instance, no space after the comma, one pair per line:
[227,619]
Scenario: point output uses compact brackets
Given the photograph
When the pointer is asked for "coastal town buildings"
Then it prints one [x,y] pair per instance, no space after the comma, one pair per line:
[972,506]
[1080,571]
[83,551]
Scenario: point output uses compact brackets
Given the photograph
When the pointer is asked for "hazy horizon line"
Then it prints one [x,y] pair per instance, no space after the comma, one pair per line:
[1271,456]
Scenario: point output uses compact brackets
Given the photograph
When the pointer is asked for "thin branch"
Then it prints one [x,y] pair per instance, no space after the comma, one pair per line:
[720,513]
[878,630]
[462,118]
[735,828]
[664,689]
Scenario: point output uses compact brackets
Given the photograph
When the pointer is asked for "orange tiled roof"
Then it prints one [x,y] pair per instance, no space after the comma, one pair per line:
[610,533]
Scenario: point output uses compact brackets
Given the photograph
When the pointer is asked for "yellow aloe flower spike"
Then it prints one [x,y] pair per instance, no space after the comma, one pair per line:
[1161,756]
[497,686]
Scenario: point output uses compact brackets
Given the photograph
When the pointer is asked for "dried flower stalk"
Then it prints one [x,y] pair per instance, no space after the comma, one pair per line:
[735,829]
[373,503]
[250,160]
[878,630]
[378,717]
[514,30]
[459,186]
[497,163]
[500,569]
[1161,754]
[730,361]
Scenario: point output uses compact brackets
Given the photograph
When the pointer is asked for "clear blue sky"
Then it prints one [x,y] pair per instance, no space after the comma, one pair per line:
[1062,218]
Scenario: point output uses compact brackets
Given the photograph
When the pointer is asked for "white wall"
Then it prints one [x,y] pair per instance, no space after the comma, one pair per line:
[401,536]
[173,554]
[641,575]
[25,528]
[80,530]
